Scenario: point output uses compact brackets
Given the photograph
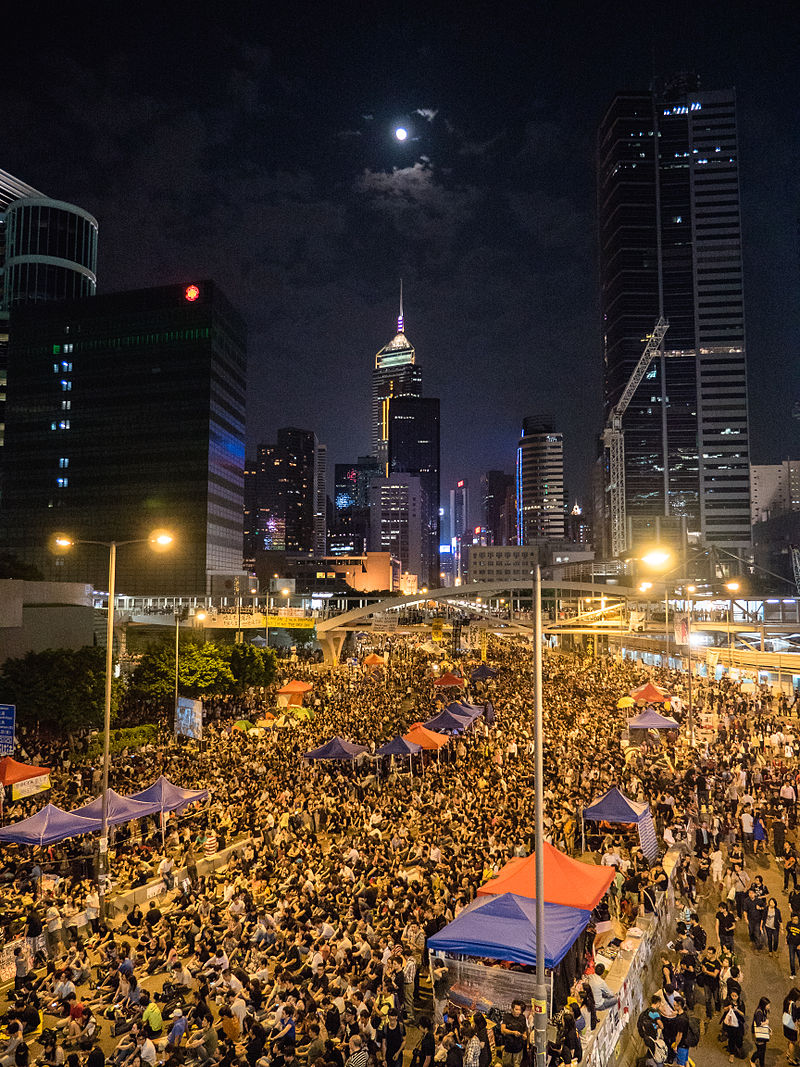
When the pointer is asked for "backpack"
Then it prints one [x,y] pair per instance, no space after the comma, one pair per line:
[645,1026]
[692,1036]
[700,937]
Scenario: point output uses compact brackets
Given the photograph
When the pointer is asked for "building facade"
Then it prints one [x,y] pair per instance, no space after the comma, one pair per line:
[48,251]
[774,489]
[540,483]
[351,518]
[414,449]
[397,516]
[286,496]
[496,488]
[670,243]
[126,412]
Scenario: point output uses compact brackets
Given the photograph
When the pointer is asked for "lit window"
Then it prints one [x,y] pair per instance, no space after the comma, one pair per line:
[65,365]
[64,424]
[67,348]
[66,405]
[62,482]
[65,385]
[63,462]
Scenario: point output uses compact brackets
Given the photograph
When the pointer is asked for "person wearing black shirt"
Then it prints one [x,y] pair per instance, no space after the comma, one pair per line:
[710,968]
[392,1039]
[423,1053]
[514,1028]
[726,925]
[793,941]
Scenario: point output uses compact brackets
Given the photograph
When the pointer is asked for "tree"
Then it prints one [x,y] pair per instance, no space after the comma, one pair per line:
[62,688]
[251,667]
[202,670]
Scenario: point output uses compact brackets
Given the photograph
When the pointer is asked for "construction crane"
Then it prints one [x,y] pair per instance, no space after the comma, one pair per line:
[614,440]
[796,567]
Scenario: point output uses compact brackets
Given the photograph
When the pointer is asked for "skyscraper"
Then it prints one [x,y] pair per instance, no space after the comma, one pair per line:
[48,251]
[414,449]
[459,524]
[396,513]
[495,488]
[540,483]
[286,496]
[351,502]
[126,412]
[396,374]
[320,501]
[670,242]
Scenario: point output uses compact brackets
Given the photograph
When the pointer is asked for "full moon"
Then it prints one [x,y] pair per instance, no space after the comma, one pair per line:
[400,133]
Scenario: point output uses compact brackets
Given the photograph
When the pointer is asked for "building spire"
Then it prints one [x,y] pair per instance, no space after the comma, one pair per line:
[400,318]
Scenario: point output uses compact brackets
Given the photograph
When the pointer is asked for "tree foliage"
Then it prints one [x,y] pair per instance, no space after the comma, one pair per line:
[203,670]
[61,688]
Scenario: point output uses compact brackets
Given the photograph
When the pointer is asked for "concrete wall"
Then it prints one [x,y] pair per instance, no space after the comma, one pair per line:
[39,615]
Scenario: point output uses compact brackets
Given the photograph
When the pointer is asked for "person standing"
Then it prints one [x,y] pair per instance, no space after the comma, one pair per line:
[772,925]
[793,942]
[762,1032]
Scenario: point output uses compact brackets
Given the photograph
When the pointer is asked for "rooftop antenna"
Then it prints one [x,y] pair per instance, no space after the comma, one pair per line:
[400,319]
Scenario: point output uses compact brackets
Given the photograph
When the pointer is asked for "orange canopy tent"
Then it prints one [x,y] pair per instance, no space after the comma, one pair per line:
[566,881]
[650,694]
[295,687]
[448,680]
[293,692]
[11,771]
[428,739]
[373,661]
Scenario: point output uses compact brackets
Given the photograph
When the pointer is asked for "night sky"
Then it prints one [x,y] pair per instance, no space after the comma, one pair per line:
[253,143]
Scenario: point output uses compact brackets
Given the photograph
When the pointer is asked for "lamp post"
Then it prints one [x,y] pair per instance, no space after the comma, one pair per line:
[540,995]
[177,655]
[158,539]
[732,587]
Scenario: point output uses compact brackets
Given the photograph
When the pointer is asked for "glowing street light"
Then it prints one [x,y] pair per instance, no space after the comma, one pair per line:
[657,558]
[401,133]
[61,542]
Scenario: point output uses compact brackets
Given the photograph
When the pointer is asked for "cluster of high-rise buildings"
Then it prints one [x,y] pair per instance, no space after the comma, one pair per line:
[126,411]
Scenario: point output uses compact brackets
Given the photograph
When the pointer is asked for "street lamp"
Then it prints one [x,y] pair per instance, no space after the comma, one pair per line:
[732,587]
[158,540]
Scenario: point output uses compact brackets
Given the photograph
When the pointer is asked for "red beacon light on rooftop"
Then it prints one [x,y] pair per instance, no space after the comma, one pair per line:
[191,292]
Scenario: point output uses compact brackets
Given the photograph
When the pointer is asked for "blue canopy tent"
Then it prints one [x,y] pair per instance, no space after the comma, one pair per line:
[398,746]
[482,673]
[650,719]
[167,796]
[614,806]
[120,809]
[336,748]
[462,707]
[448,721]
[47,826]
[504,928]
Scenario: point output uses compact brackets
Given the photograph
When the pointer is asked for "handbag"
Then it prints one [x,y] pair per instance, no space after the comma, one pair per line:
[788,1021]
[762,1032]
[731,1018]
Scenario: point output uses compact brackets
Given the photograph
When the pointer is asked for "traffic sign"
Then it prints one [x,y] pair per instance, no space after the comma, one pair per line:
[8,715]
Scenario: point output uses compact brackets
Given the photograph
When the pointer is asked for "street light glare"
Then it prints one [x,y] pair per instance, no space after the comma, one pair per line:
[658,557]
[732,587]
[161,537]
[63,542]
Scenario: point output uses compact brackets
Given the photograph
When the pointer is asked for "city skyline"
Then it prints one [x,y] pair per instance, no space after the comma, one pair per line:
[486,211]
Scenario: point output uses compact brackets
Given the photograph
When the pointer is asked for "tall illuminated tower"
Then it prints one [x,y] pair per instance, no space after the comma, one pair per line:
[396,375]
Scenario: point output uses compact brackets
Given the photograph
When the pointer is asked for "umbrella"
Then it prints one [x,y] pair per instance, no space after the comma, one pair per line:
[244,725]
[625,702]
[373,661]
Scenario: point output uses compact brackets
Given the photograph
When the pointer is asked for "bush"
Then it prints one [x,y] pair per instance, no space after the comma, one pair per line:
[132,737]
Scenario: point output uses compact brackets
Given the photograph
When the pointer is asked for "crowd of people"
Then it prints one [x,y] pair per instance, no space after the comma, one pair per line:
[309,946]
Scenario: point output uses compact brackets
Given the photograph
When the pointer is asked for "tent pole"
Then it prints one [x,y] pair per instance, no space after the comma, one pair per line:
[540,997]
